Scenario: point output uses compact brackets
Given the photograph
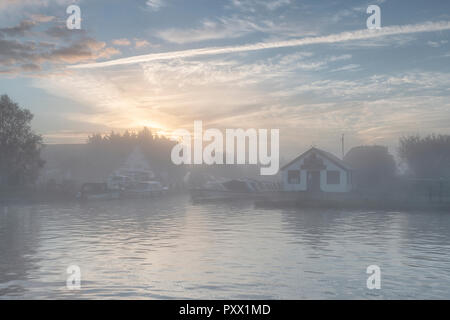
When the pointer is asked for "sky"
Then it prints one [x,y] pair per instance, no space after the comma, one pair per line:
[309,68]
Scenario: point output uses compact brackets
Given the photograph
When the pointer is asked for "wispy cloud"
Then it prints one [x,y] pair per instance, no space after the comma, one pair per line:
[41,18]
[20,30]
[254,5]
[437,44]
[22,49]
[236,26]
[19,4]
[210,30]
[155,5]
[121,42]
[374,86]
[328,39]
[141,43]
[349,67]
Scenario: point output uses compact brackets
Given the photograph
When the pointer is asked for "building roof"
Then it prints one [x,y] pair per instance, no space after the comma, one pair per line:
[340,163]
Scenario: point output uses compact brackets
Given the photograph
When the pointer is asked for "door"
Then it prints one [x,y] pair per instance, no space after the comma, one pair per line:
[313,181]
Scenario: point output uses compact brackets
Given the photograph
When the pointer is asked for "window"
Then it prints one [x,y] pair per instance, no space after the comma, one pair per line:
[333,177]
[294,177]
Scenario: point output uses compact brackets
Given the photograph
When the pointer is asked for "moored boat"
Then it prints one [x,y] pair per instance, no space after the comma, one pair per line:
[144,189]
[234,189]
[97,191]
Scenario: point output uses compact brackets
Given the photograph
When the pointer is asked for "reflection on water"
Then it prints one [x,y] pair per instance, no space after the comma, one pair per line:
[171,248]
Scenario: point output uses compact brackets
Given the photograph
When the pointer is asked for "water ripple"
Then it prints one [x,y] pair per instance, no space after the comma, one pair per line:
[173,249]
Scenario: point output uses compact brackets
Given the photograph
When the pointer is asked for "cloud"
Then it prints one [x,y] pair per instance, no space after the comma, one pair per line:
[16,56]
[234,27]
[349,67]
[228,92]
[41,18]
[141,43]
[85,49]
[19,4]
[121,42]
[437,44]
[211,30]
[329,39]
[21,52]
[61,32]
[30,67]
[319,64]
[15,52]
[392,41]
[20,30]
[376,86]
[254,5]
[25,26]
[154,5]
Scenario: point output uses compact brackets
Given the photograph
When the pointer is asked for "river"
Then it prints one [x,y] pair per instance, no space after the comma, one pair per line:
[170,248]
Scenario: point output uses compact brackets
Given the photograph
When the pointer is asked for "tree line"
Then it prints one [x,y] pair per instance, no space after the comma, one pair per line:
[111,150]
[20,152]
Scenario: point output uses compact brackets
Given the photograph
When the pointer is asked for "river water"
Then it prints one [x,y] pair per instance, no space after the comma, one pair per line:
[171,248]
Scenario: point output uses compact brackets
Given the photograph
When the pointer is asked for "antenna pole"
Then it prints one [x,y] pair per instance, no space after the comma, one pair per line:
[343,149]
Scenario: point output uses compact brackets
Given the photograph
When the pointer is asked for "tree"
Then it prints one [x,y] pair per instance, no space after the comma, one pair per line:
[374,166]
[20,148]
[111,150]
[427,157]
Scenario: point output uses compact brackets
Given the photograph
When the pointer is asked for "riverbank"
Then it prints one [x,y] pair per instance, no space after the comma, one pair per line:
[12,196]
[40,196]
[282,200]
[270,200]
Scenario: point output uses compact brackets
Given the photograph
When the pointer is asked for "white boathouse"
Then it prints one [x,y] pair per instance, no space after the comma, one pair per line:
[317,171]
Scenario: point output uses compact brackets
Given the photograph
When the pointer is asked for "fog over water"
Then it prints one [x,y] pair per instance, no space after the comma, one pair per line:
[172,248]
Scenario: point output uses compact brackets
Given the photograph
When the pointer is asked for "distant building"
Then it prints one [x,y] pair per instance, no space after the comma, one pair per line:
[136,161]
[135,169]
[317,171]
